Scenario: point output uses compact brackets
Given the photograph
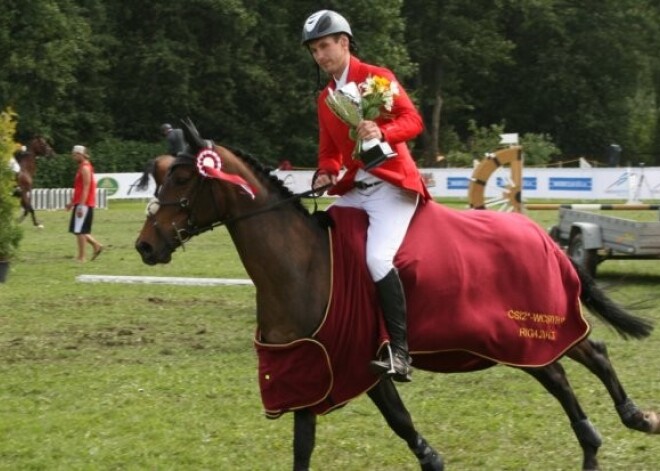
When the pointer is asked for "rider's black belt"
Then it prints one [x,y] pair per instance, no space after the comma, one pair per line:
[364,186]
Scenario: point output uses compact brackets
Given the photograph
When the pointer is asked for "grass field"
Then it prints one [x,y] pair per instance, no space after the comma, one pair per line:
[155,377]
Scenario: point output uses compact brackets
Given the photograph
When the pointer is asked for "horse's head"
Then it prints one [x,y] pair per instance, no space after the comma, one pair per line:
[39,146]
[195,191]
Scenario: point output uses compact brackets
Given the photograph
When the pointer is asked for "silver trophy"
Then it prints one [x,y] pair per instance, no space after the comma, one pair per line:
[346,104]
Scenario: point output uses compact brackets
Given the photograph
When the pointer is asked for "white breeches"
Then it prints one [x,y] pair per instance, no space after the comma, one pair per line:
[390,210]
[13,165]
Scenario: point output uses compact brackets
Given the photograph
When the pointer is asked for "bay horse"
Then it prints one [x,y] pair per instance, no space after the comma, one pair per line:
[37,147]
[286,251]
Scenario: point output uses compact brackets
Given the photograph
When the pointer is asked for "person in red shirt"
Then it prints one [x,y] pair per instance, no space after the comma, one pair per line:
[83,203]
[390,192]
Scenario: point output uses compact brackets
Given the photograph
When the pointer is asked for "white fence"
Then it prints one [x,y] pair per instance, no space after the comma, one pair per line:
[58,198]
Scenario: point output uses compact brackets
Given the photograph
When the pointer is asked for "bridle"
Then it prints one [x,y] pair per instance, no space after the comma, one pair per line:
[186,203]
[184,234]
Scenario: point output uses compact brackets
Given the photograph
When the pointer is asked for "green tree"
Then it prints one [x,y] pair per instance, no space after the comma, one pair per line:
[580,73]
[50,69]
[10,231]
[456,43]
[577,72]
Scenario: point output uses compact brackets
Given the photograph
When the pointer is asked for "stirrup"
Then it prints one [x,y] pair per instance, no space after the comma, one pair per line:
[387,369]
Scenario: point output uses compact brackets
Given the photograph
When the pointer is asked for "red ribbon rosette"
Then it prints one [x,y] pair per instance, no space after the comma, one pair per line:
[209,165]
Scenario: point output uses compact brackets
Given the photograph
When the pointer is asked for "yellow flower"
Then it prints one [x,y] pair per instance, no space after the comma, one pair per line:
[377,94]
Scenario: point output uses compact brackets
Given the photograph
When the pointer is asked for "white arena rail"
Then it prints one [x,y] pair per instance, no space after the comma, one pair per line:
[58,198]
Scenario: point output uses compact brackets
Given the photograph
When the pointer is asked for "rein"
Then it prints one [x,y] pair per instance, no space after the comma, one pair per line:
[183,235]
[293,198]
[194,230]
[314,193]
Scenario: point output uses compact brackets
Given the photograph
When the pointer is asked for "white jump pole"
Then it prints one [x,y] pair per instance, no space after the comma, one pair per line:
[162,280]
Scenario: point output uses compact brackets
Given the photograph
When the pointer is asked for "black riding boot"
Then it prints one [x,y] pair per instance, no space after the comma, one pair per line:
[393,303]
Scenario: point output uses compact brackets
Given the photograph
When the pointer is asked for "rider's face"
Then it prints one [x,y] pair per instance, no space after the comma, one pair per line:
[331,53]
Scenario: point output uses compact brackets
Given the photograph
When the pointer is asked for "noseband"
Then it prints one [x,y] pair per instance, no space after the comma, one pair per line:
[184,234]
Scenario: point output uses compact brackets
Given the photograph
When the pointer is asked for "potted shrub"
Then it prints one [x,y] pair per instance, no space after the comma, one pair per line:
[10,232]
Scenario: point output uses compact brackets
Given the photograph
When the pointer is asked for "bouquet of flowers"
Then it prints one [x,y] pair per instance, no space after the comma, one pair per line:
[372,98]
[377,95]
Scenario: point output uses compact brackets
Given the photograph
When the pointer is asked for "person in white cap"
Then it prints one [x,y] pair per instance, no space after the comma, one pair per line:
[390,192]
[83,203]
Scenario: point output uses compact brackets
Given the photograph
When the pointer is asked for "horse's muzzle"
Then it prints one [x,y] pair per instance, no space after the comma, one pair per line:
[151,256]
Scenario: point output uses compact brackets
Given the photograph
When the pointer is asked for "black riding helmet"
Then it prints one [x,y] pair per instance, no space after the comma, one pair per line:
[325,23]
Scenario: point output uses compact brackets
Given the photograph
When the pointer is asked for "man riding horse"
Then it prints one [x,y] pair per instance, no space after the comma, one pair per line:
[26,158]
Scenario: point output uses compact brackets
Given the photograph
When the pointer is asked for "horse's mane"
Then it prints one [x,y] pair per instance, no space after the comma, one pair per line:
[264,173]
[261,171]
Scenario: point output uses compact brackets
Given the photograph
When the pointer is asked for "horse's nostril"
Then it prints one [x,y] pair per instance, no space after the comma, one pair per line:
[143,247]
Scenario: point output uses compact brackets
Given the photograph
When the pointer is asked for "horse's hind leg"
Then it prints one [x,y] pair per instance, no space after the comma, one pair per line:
[35,222]
[28,209]
[388,401]
[553,378]
[593,355]
[22,217]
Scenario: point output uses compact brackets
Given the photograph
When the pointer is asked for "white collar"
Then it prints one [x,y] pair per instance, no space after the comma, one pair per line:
[342,80]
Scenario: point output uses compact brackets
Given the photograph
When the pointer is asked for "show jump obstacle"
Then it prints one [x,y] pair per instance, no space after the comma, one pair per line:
[162,280]
[511,199]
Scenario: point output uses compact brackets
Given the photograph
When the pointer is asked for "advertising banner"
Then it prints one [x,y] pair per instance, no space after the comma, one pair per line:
[612,183]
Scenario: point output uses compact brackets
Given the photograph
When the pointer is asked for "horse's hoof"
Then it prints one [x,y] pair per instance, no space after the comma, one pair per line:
[653,421]
[40,226]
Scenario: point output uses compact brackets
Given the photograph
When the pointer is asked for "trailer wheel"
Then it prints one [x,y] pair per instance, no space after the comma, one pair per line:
[586,258]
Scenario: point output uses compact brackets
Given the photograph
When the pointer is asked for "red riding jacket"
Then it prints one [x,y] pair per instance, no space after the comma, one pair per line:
[403,124]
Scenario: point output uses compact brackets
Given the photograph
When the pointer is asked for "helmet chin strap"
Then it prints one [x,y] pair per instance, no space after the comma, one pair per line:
[319,84]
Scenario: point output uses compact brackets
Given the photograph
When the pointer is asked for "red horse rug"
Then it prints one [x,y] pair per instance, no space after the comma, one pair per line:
[482,288]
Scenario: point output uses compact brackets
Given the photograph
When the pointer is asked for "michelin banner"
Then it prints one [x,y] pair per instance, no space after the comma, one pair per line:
[613,183]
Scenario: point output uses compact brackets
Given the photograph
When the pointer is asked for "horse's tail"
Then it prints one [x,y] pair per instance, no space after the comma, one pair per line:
[149,169]
[601,305]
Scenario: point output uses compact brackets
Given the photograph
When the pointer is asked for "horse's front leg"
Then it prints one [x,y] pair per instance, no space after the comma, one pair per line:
[25,206]
[388,401]
[22,217]
[304,438]
[35,221]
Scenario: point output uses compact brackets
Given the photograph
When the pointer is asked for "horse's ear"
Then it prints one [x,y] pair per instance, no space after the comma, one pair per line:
[193,138]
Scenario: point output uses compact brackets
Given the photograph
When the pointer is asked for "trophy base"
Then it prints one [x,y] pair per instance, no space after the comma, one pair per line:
[377,154]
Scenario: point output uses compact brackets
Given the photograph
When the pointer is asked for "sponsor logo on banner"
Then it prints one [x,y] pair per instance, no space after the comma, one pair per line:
[458,183]
[110,185]
[621,185]
[570,184]
[528,183]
